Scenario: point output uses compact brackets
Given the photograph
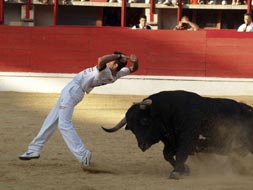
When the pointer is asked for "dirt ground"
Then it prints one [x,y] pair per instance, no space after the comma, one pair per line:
[117,163]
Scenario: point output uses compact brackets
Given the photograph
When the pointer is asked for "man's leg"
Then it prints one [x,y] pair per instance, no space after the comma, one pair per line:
[69,134]
[47,129]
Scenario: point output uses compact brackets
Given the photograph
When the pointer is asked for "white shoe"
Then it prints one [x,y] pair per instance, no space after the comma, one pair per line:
[224,2]
[111,1]
[29,155]
[211,2]
[86,159]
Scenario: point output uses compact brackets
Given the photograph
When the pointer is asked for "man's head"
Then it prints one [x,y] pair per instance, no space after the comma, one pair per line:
[184,19]
[117,64]
[143,20]
[121,63]
[247,18]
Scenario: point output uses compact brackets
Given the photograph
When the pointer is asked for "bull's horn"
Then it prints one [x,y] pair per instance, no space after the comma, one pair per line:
[117,127]
[145,103]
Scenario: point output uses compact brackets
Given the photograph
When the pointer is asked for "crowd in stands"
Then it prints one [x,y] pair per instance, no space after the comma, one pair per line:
[225,2]
[186,24]
[183,24]
[162,2]
[175,2]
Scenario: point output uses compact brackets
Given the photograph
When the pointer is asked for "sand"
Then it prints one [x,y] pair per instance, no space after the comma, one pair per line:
[117,163]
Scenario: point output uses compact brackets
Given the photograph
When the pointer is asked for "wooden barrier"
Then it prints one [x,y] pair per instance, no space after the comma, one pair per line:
[68,49]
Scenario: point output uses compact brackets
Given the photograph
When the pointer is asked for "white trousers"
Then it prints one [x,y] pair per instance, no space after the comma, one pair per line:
[61,115]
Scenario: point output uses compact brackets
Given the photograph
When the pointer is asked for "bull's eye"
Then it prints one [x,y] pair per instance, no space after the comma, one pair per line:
[143,121]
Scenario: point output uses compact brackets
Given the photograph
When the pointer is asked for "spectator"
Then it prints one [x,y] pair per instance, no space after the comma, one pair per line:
[113,1]
[137,1]
[213,2]
[186,24]
[142,23]
[248,25]
[168,2]
[236,2]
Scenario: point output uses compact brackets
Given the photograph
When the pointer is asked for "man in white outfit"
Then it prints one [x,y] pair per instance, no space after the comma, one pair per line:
[108,70]
[248,25]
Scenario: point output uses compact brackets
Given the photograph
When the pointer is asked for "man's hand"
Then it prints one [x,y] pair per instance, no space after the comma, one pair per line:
[133,58]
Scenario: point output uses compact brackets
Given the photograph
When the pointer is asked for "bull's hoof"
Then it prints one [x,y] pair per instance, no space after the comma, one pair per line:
[174,175]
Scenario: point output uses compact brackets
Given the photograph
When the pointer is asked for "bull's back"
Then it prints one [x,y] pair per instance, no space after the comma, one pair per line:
[224,106]
[174,97]
[176,104]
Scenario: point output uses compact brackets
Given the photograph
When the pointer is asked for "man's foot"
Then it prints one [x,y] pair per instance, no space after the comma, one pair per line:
[29,155]
[86,159]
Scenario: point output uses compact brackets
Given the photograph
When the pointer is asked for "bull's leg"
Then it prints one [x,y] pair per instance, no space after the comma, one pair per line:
[169,155]
[186,142]
[180,167]
[250,141]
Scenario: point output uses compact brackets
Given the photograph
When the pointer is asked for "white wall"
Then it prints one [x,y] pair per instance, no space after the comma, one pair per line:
[131,85]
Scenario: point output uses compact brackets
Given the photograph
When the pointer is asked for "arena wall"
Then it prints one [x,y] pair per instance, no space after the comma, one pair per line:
[44,59]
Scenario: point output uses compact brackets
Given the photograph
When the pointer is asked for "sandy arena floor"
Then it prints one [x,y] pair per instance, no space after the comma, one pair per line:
[117,162]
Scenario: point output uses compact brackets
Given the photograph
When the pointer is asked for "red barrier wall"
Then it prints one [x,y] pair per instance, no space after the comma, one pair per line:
[161,52]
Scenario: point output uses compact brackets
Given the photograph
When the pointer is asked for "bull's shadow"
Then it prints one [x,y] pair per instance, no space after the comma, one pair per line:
[188,123]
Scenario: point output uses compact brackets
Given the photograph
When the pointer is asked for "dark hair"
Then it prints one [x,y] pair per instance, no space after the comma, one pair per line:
[120,63]
[143,16]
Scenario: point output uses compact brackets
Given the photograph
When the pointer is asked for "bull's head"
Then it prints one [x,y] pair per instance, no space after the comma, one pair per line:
[140,120]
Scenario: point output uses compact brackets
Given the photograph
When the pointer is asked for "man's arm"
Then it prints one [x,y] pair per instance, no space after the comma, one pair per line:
[194,26]
[102,61]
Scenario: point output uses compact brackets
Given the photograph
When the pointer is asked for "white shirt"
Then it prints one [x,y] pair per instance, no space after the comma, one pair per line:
[92,77]
[141,27]
[248,29]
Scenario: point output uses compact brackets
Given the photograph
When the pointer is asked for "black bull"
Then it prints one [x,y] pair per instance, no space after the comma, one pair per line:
[186,123]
